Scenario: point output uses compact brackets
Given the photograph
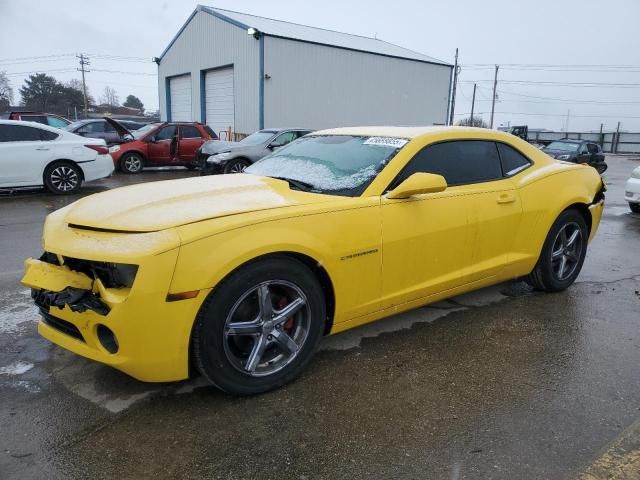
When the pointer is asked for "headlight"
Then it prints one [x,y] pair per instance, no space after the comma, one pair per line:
[563,157]
[219,157]
[114,149]
[635,173]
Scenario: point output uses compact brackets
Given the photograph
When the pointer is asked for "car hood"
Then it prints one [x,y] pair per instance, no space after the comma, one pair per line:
[555,153]
[219,146]
[120,129]
[160,205]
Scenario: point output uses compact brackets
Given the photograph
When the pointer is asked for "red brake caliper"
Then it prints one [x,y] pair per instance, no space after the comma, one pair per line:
[288,325]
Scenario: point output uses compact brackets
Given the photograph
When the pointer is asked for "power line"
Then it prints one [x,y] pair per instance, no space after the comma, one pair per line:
[546,83]
[556,115]
[547,65]
[560,99]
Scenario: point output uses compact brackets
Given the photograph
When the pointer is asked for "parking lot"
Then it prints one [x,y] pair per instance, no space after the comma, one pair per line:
[500,383]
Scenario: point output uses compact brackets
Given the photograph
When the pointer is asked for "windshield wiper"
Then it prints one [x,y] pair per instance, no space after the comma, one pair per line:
[300,185]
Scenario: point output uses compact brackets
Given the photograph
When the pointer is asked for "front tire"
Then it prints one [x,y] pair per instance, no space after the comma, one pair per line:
[236,166]
[131,163]
[63,178]
[562,254]
[259,328]
[635,207]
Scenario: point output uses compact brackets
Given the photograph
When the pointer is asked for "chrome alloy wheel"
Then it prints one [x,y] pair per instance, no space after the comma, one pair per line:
[566,251]
[237,167]
[64,178]
[266,328]
[132,163]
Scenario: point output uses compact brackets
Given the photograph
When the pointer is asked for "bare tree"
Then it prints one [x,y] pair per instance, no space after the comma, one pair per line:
[6,91]
[110,97]
[477,122]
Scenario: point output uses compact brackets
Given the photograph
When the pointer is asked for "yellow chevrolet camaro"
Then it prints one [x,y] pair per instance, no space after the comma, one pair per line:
[241,275]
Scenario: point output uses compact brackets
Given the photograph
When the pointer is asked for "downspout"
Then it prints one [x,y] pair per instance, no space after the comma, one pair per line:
[261,85]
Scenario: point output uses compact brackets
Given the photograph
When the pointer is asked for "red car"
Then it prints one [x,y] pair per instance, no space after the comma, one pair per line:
[159,144]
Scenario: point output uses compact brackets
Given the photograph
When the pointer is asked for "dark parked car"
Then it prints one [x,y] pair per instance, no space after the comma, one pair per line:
[577,151]
[234,157]
[45,118]
[100,128]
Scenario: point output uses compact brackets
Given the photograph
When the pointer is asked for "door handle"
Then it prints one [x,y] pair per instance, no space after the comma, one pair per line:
[42,148]
[506,198]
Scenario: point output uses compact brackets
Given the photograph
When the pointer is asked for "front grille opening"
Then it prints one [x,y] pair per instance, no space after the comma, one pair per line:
[112,275]
[63,326]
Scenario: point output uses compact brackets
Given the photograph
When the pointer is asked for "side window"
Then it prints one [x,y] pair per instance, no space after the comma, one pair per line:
[34,118]
[302,133]
[592,147]
[166,133]
[459,162]
[189,132]
[512,160]
[56,122]
[18,133]
[211,133]
[107,127]
[583,148]
[284,138]
[95,127]
[47,135]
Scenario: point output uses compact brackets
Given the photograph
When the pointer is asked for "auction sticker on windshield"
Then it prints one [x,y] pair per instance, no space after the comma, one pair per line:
[386,142]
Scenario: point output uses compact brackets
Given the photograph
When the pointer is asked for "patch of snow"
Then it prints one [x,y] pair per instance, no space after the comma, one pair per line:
[13,315]
[318,175]
[16,368]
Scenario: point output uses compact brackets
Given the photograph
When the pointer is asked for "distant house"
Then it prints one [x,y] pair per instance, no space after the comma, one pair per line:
[243,72]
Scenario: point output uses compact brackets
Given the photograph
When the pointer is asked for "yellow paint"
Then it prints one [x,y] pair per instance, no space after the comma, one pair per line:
[188,235]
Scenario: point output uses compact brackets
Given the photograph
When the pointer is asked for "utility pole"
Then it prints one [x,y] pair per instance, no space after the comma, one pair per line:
[493,100]
[568,116]
[84,61]
[453,91]
[473,103]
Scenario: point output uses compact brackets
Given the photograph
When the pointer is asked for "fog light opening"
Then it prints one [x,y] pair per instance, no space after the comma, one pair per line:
[107,339]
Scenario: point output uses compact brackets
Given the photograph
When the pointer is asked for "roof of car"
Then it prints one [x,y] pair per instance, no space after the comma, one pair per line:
[22,123]
[401,132]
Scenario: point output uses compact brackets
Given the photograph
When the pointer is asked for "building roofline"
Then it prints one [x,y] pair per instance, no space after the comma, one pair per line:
[215,13]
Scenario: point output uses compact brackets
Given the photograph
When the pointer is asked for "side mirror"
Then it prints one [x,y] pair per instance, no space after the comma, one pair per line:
[418,184]
[152,139]
[271,146]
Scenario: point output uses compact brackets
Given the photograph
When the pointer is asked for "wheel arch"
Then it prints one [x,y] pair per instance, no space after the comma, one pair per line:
[312,264]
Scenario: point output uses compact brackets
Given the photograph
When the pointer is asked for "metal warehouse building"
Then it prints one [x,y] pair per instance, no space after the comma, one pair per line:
[242,72]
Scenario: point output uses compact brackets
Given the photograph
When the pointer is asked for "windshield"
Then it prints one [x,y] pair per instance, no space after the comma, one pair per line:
[257,138]
[142,131]
[333,164]
[563,146]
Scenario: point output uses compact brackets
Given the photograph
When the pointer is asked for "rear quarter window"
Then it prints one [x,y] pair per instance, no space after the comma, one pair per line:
[512,160]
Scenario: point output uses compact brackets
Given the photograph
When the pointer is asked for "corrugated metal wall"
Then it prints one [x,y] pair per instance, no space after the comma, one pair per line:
[206,43]
[316,86]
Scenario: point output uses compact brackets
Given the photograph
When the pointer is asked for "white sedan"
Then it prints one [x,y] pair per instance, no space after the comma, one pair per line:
[33,155]
[632,191]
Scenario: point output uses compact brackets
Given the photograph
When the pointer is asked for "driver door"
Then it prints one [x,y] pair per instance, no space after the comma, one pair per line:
[162,146]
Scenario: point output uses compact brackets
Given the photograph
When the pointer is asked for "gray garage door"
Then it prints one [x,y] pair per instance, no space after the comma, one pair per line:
[180,91]
[219,100]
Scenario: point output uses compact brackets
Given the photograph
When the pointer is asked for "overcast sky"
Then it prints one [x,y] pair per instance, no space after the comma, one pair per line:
[602,38]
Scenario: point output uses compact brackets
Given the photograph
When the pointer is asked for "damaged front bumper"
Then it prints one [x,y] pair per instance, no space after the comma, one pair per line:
[132,329]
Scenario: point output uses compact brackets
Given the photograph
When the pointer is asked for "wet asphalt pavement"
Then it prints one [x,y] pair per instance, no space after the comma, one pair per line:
[501,383]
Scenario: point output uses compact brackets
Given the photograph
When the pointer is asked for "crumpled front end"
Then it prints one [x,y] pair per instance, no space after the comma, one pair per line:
[104,295]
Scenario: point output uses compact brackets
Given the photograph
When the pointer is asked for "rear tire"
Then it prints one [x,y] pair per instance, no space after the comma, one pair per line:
[131,163]
[63,178]
[562,254]
[259,328]
[236,166]
[635,207]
